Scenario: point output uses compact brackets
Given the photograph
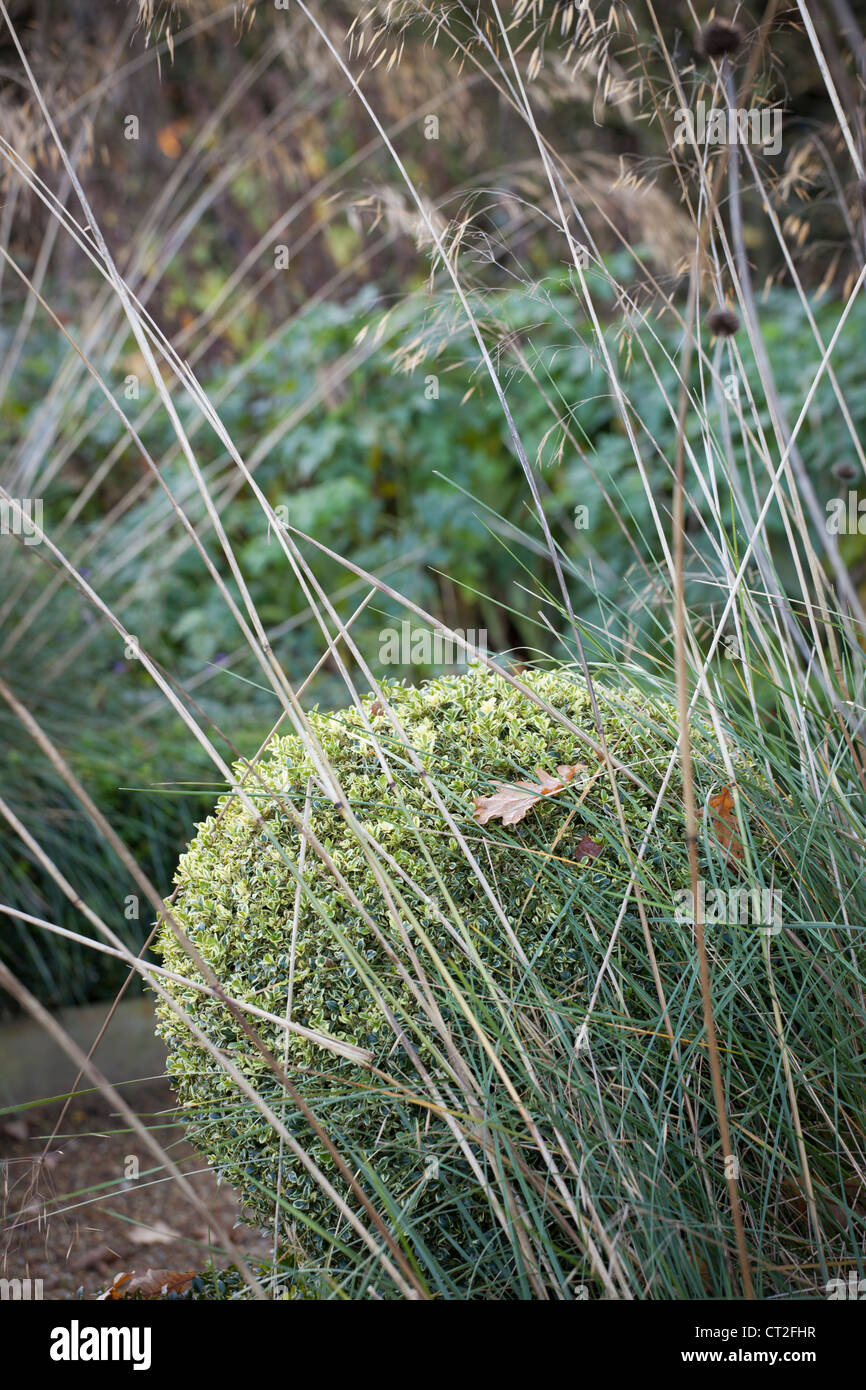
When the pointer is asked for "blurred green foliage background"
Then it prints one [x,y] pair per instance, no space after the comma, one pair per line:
[349,385]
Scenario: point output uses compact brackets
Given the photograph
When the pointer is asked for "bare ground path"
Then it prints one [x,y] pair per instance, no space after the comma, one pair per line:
[82,1217]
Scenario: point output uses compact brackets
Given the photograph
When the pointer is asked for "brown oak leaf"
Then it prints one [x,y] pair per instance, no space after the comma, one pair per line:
[512,802]
[587,847]
[723,819]
[154,1283]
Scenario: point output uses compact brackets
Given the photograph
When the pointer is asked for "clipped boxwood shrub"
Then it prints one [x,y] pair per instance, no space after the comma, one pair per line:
[236,901]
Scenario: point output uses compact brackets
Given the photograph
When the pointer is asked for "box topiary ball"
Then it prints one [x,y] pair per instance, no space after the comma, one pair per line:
[356,978]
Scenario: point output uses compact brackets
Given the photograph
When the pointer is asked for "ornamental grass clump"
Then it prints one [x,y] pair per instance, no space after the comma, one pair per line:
[393,941]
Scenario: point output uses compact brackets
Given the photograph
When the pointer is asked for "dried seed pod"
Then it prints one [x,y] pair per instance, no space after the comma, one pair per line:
[721,38]
[722,321]
[844,470]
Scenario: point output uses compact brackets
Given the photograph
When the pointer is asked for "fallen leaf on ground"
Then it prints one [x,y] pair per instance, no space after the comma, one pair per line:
[154,1283]
[724,823]
[513,802]
[157,1234]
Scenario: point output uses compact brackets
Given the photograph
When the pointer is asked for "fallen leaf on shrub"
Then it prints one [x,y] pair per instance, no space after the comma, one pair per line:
[587,847]
[513,802]
[724,823]
[154,1283]
[853,1187]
